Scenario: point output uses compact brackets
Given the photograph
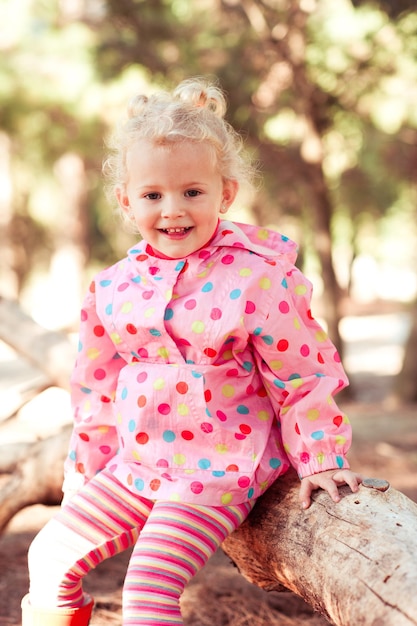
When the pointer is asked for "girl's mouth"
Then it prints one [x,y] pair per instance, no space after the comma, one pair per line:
[175,231]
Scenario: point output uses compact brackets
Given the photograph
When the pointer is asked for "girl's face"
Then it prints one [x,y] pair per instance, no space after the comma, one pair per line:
[174,193]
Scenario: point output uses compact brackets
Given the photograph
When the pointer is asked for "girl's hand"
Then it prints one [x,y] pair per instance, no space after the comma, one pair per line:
[329,481]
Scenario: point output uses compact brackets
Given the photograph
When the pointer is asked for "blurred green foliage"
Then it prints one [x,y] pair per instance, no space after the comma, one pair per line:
[324,92]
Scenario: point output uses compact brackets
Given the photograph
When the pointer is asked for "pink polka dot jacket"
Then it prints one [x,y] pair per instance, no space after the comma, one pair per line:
[202,379]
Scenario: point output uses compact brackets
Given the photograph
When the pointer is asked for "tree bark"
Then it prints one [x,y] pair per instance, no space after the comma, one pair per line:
[353,562]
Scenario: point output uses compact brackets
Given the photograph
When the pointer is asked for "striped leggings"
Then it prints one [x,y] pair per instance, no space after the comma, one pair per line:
[171,540]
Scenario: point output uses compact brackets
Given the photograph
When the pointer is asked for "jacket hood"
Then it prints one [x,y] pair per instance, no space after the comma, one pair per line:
[261,241]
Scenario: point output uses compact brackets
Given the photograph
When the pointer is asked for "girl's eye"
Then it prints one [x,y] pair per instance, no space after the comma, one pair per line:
[192,193]
[153,196]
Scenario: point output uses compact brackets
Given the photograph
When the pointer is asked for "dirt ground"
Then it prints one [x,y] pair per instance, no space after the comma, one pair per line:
[385,446]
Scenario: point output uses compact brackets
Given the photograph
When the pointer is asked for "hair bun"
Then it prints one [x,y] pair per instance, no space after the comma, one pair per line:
[137,105]
[201,93]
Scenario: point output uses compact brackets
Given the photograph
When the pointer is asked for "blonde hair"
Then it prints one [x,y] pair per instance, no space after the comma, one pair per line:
[195,112]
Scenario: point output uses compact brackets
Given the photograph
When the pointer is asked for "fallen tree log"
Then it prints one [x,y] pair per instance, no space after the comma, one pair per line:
[354,562]
[51,351]
[33,476]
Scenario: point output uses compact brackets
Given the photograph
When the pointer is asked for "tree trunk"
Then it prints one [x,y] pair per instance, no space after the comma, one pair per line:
[353,562]
[405,385]
[312,108]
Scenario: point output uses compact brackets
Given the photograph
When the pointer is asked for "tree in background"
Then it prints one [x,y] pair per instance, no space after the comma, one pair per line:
[324,93]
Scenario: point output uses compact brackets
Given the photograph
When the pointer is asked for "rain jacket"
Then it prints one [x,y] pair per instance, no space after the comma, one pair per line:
[203,379]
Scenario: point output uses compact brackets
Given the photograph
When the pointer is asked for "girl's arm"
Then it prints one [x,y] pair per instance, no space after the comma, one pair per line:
[302,373]
[93,384]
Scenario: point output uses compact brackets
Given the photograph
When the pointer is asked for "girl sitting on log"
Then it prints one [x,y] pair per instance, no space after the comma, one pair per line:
[201,375]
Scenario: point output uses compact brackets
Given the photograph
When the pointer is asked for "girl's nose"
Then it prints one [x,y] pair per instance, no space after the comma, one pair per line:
[172,208]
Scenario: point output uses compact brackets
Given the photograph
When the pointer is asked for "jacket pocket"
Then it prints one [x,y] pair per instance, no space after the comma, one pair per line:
[163,422]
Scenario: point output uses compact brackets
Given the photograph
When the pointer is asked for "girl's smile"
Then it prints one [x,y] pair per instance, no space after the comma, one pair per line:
[176,232]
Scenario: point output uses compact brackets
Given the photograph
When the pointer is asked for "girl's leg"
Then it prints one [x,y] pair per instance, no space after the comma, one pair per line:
[175,543]
[100,521]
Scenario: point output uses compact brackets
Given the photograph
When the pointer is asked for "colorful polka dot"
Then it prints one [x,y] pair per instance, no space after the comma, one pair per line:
[93,353]
[183,409]
[142,438]
[100,374]
[228,391]
[168,436]
[275,463]
[139,484]
[198,327]
[313,414]
[169,314]
[181,387]
[300,290]
[141,401]
[318,435]
[250,307]
[338,420]
[282,345]
[265,283]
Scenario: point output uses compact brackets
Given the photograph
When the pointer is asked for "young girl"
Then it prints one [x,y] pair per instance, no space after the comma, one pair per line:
[201,376]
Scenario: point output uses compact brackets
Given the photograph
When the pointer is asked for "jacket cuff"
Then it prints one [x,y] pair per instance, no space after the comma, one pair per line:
[330,462]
